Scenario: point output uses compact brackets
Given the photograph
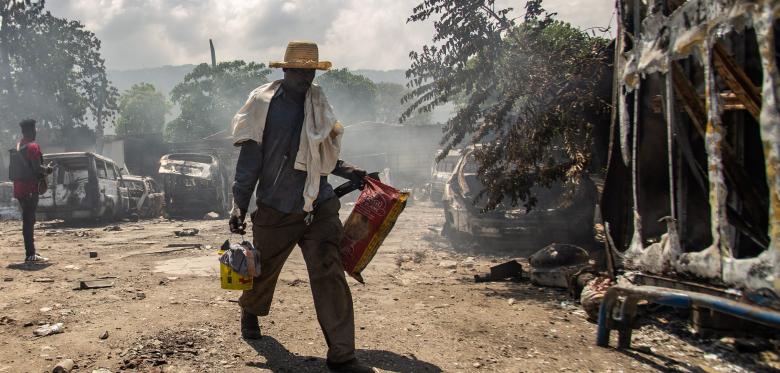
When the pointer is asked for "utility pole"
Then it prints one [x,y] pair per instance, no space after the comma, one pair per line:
[213,54]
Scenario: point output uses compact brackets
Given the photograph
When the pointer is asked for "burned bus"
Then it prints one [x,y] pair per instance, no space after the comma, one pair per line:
[690,202]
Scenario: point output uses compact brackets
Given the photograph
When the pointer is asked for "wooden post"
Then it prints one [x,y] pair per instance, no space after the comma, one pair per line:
[737,80]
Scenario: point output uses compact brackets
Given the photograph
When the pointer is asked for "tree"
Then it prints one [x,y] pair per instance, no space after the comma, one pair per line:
[530,92]
[352,96]
[389,107]
[50,69]
[102,102]
[209,96]
[142,111]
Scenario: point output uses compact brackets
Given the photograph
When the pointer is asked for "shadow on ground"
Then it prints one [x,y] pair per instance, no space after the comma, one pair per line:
[280,359]
[661,362]
[29,267]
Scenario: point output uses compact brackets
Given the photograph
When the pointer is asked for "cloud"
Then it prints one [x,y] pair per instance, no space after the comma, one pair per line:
[369,34]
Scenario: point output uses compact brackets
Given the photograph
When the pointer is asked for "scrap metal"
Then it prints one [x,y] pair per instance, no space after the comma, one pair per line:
[657,46]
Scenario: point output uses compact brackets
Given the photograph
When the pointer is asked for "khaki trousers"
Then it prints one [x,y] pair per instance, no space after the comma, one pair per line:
[275,235]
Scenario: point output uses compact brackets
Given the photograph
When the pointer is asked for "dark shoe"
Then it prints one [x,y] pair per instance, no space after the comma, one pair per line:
[350,366]
[250,328]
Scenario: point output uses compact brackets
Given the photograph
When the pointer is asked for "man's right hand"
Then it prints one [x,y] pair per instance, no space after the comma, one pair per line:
[236,222]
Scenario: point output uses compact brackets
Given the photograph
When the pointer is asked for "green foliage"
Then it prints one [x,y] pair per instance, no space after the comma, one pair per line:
[142,111]
[531,93]
[356,98]
[210,96]
[388,102]
[389,107]
[51,70]
[352,96]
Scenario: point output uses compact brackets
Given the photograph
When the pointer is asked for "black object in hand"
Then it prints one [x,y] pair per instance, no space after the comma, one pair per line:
[353,185]
[237,224]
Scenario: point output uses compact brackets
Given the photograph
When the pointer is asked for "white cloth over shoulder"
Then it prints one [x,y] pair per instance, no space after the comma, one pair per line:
[320,142]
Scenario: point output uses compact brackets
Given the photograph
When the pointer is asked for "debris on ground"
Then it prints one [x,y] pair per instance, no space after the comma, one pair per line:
[187,232]
[511,270]
[468,262]
[104,335]
[154,351]
[93,254]
[211,216]
[112,228]
[43,279]
[49,329]
[185,245]
[5,320]
[554,264]
[448,264]
[64,366]
[82,233]
[297,282]
[170,248]
[592,295]
[95,284]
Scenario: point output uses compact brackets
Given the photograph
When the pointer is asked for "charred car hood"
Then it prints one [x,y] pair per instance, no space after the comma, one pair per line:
[186,168]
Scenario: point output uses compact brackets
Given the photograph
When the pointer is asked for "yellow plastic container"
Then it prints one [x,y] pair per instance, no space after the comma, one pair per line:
[231,280]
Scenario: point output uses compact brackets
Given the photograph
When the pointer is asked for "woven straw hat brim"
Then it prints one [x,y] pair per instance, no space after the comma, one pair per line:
[319,65]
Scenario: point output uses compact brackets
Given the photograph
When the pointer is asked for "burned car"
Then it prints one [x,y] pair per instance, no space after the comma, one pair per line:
[557,217]
[441,172]
[9,207]
[194,183]
[83,185]
[146,197]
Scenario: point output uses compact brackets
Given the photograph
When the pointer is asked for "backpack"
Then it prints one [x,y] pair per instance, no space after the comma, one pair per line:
[19,167]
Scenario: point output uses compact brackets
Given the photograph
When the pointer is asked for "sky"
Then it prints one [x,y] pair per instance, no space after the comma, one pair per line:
[358,34]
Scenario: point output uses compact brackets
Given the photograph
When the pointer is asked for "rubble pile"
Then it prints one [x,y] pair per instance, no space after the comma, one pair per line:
[184,347]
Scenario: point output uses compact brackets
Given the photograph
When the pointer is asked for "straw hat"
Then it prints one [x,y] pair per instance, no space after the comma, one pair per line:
[301,55]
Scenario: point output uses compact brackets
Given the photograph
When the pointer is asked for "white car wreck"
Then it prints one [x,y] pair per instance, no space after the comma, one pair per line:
[83,185]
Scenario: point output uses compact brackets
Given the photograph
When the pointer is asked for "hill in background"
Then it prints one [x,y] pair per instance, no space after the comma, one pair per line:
[164,78]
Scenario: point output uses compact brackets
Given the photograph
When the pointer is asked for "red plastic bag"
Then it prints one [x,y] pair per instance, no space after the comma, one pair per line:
[374,215]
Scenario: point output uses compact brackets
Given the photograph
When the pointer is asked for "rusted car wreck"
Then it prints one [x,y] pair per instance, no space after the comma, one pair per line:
[146,198]
[194,183]
[691,202]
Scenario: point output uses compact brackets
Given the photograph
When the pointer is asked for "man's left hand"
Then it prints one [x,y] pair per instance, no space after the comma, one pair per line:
[236,222]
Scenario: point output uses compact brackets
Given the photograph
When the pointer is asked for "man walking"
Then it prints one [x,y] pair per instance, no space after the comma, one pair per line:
[26,172]
[290,142]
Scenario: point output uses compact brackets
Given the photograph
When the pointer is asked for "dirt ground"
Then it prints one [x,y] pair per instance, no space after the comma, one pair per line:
[416,313]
